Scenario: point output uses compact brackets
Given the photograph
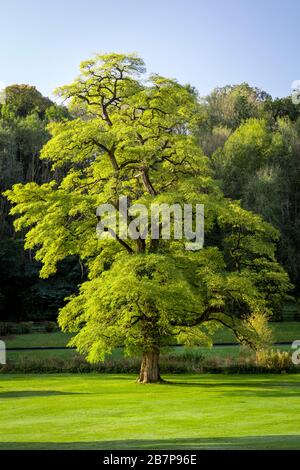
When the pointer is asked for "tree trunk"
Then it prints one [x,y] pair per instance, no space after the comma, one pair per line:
[149,372]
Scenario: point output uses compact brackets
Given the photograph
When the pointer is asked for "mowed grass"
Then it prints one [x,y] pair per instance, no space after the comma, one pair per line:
[114,412]
[41,340]
[282,332]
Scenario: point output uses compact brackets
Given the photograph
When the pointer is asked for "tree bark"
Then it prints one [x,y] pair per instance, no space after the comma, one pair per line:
[149,372]
[146,181]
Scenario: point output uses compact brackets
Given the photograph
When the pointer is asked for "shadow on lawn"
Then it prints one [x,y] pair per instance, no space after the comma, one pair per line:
[217,443]
[238,388]
[249,383]
[35,393]
[252,387]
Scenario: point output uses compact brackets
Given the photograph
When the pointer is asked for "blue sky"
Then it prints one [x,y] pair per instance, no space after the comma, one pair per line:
[207,43]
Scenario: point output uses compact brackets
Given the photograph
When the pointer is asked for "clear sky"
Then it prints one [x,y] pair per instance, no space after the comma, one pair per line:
[207,43]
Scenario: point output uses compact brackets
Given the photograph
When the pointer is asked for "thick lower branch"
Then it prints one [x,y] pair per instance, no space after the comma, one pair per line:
[146,182]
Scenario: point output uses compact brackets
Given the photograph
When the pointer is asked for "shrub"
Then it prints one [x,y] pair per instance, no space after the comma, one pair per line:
[50,326]
[6,328]
[10,328]
[22,328]
[274,359]
[266,361]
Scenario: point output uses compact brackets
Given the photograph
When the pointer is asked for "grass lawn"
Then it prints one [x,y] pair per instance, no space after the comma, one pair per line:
[282,332]
[113,412]
[56,339]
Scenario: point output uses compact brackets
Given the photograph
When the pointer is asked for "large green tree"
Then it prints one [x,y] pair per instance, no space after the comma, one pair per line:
[132,137]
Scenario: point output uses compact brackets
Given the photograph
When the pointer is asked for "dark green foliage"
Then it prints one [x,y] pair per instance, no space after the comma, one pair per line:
[23,100]
[50,326]
[283,107]
[23,294]
[23,133]
[10,328]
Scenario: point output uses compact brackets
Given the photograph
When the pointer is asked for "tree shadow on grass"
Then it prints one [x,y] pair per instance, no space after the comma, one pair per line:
[218,443]
[35,393]
[262,392]
[255,388]
[238,383]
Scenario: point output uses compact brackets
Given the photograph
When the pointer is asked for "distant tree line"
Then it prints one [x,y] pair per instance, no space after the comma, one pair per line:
[253,142]
[23,121]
